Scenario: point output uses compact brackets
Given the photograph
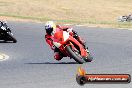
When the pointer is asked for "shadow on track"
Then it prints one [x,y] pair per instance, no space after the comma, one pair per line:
[6,42]
[54,63]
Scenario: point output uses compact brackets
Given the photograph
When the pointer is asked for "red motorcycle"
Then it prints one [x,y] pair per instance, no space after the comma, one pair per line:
[70,47]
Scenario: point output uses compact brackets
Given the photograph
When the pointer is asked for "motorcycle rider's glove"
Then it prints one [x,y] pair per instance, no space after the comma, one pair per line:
[75,35]
[53,47]
[69,30]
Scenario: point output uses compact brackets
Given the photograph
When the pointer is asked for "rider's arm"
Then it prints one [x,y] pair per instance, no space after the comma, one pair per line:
[49,40]
[63,27]
[69,29]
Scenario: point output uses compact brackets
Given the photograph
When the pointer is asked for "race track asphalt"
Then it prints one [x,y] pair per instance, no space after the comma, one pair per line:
[31,63]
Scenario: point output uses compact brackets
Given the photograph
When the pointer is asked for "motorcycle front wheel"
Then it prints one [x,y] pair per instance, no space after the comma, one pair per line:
[89,58]
[10,38]
[75,56]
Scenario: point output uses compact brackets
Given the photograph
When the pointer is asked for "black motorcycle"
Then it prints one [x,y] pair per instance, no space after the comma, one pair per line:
[5,33]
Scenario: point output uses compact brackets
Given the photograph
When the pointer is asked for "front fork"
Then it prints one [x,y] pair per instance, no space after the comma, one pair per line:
[82,49]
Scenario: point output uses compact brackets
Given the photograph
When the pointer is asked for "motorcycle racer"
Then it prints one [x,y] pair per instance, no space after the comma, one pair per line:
[51,28]
[5,33]
[3,23]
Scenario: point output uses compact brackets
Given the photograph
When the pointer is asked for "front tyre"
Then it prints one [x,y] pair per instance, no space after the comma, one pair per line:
[12,38]
[74,55]
[89,58]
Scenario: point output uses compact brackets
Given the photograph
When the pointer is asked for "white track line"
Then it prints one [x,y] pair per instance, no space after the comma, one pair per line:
[68,24]
[83,25]
[130,29]
[126,28]
[3,57]
[80,25]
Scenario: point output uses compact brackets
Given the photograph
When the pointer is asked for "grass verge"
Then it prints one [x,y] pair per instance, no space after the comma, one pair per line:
[101,13]
[76,22]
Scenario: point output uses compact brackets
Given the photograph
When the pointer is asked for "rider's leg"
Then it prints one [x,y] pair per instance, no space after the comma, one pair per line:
[75,35]
[57,54]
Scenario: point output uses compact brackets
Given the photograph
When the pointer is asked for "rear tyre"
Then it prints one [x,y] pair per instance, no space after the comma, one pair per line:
[74,55]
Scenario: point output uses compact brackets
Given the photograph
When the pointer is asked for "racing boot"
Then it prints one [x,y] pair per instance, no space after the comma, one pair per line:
[82,41]
[78,38]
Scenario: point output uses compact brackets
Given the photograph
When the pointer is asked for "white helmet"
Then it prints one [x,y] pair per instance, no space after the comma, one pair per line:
[49,27]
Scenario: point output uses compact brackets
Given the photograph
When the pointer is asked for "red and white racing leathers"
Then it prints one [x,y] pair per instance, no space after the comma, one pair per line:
[49,40]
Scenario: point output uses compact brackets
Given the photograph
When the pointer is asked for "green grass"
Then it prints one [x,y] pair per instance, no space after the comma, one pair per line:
[102,13]
[88,22]
[24,17]
[43,19]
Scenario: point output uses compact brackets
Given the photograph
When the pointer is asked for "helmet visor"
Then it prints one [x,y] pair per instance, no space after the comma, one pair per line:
[49,30]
